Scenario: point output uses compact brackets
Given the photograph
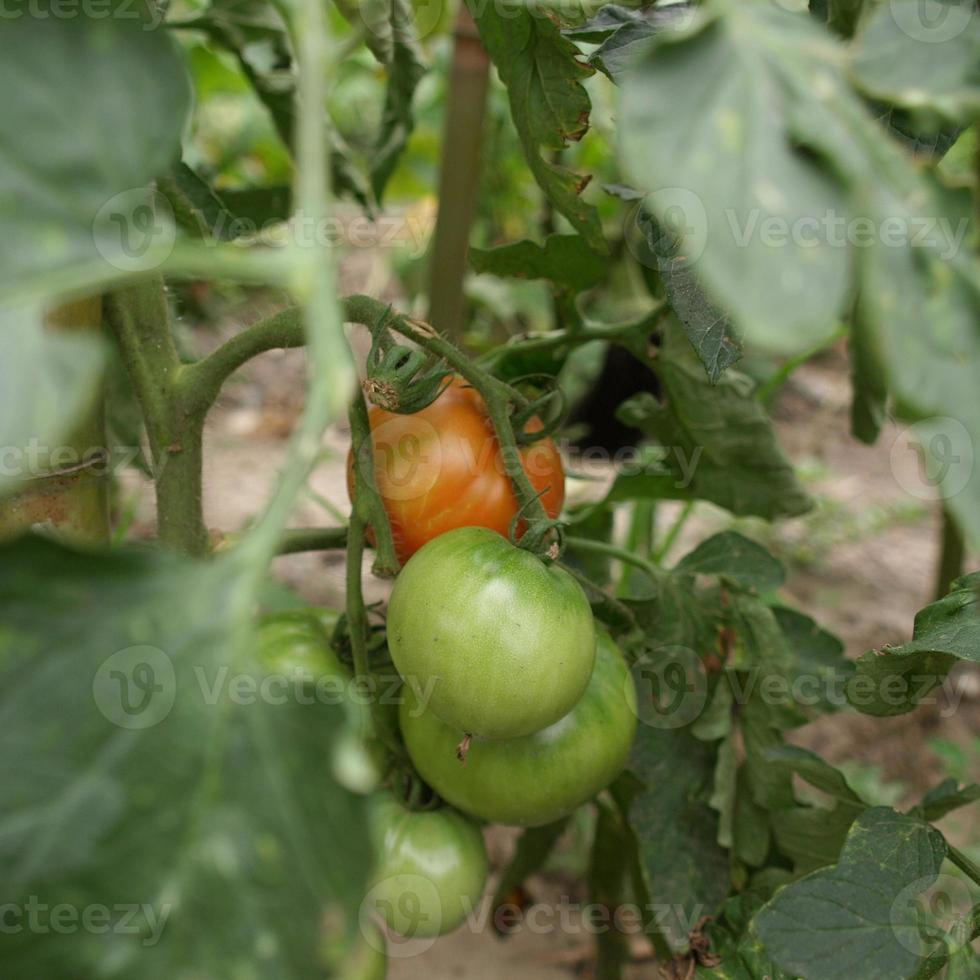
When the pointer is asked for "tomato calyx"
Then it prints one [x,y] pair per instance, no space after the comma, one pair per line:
[402,379]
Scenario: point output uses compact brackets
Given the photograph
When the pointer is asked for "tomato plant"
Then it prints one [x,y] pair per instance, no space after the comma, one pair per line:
[499,643]
[541,777]
[432,868]
[752,206]
[440,469]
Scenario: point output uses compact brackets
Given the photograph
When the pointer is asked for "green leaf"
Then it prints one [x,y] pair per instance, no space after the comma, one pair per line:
[198,209]
[720,433]
[255,34]
[405,71]
[845,921]
[567,260]
[48,381]
[923,55]
[893,680]
[685,869]
[620,48]
[737,559]
[65,171]
[145,767]
[742,955]
[548,103]
[945,798]
[723,89]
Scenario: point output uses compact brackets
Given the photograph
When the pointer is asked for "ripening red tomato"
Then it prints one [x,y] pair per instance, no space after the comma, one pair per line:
[442,469]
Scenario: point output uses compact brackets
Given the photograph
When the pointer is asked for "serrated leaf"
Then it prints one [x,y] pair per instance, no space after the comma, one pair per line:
[727,440]
[549,105]
[54,187]
[923,55]
[145,767]
[685,870]
[737,559]
[894,680]
[621,47]
[845,921]
[565,260]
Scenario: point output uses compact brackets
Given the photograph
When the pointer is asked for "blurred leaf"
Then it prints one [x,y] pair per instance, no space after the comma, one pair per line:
[596,524]
[256,35]
[945,798]
[844,921]
[610,876]
[923,55]
[840,16]
[567,260]
[197,208]
[736,558]
[64,165]
[48,381]
[720,440]
[549,105]
[737,78]
[405,69]
[145,768]
[893,680]
[869,385]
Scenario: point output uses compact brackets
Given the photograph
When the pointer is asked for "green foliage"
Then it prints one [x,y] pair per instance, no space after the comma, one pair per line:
[548,102]
[566,260]
[809,927]
[151,782]
[894,680]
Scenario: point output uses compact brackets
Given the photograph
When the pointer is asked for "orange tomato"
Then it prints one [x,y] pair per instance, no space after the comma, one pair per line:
[442,468]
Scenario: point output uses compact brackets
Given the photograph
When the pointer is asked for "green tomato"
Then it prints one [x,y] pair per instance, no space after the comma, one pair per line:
[493,640]
[296,644]
[432,868]
[539,778]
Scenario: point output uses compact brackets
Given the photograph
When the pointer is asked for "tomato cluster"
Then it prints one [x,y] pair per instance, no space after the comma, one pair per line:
[515,708]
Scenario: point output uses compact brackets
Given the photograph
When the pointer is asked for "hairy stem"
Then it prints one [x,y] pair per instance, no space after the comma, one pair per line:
[369,504]
[951,555]
[140,320]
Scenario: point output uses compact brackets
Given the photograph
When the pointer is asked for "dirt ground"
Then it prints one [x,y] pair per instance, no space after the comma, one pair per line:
[862,564]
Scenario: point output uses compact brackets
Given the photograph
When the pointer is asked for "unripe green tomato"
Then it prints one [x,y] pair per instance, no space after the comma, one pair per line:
[496,642]
[296,643]
[539,778]
[432,868]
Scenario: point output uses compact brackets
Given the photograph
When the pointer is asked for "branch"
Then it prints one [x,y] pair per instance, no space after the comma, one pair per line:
[201,382]
[368,505]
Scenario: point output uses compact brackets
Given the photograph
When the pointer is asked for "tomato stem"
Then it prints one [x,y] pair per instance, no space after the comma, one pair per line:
[620,554]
